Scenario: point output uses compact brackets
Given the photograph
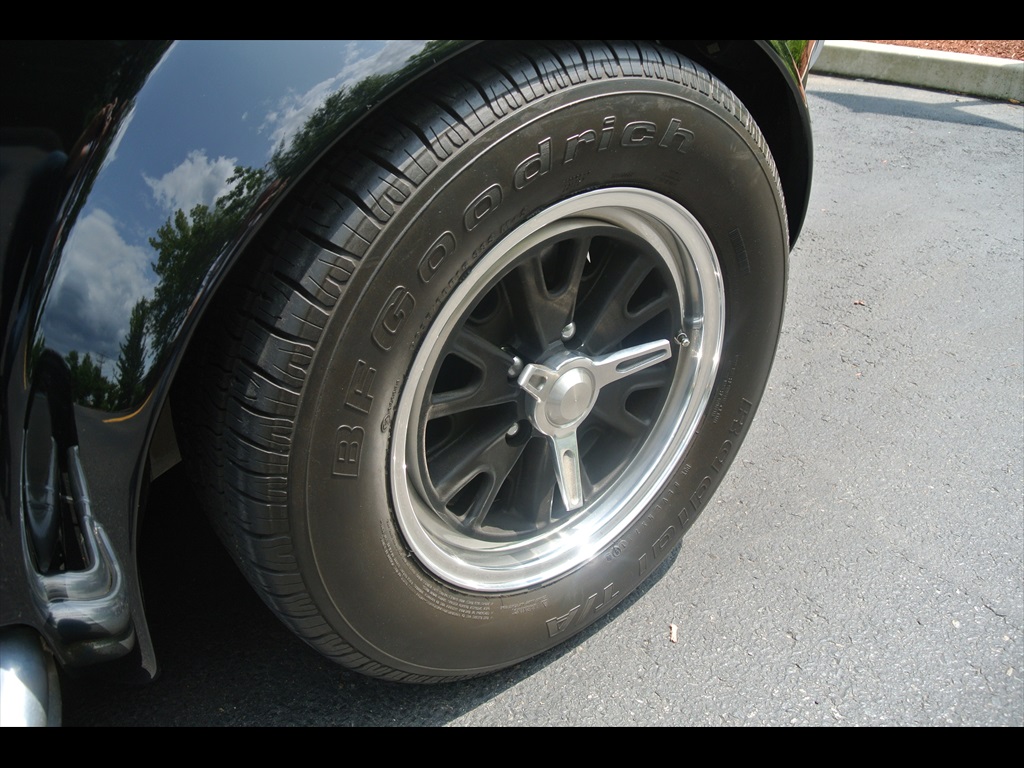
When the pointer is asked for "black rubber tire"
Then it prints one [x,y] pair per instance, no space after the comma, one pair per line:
[310,355]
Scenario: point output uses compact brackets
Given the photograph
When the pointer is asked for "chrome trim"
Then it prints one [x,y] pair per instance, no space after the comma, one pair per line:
[29,685]
[88,609]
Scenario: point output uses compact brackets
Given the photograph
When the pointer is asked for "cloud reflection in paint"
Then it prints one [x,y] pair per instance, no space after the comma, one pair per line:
[197,180]
[294,110]
[88,310]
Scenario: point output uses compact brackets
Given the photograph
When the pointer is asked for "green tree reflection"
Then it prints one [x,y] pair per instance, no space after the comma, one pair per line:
[88,384]
[131,363]
[189,243]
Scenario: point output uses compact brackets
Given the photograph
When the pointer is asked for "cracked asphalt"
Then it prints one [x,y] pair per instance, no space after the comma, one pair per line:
[863,564]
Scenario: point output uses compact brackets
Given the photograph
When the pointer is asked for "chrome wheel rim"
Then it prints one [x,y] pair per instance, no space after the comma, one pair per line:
[557,389]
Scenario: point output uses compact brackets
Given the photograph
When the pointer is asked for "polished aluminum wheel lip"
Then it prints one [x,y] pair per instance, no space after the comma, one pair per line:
[690,261]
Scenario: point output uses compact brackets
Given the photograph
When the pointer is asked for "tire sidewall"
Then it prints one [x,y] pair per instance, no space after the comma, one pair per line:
[349,547]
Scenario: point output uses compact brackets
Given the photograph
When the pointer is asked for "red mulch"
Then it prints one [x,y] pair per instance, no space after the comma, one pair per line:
[1002,49]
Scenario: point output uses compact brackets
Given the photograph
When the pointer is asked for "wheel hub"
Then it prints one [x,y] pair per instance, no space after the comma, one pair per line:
[563,395]
[571,398]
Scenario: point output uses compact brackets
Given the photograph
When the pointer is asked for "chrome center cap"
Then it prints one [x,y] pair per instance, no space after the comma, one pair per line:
[569,399]
[562,392]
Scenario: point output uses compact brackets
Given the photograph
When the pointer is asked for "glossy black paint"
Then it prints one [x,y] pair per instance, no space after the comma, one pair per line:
[190,148]
[140,173]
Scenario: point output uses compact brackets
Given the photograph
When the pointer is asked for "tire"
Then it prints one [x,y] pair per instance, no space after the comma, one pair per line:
[499,353]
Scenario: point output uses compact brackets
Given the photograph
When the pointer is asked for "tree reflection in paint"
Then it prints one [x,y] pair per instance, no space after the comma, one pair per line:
[189,243]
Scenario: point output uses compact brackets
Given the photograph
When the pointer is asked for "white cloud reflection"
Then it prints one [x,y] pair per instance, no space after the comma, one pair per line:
[295,109]
[196,180]
[90,312]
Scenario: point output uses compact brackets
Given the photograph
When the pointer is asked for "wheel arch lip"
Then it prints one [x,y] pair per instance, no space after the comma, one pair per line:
[176,122]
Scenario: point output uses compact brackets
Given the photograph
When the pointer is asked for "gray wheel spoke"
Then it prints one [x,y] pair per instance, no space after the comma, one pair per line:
[607,336]
[602,316]
[578,252]
[611,409]
[613,414]
[483,454]
[488,387]
[534,484]
[543,313]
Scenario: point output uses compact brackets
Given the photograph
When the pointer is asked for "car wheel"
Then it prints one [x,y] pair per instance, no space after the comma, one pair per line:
[501,349]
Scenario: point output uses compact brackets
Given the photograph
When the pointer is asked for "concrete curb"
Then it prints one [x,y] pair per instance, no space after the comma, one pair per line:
[956,72]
